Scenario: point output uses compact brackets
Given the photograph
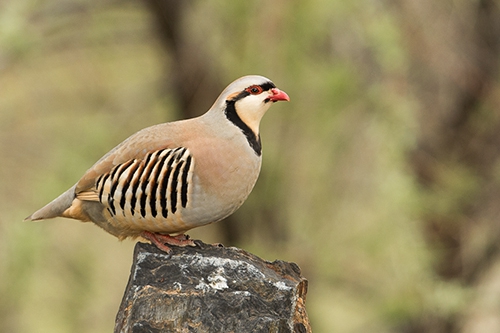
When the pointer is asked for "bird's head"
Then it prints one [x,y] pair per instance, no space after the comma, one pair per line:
[247,99]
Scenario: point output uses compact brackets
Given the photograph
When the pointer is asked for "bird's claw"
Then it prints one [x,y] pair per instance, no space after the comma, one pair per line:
[162,241]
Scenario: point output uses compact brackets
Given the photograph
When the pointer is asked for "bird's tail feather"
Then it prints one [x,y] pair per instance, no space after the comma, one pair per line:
[54,208]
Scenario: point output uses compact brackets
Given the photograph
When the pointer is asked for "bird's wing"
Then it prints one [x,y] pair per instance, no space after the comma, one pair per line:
[136,146]
[159,184]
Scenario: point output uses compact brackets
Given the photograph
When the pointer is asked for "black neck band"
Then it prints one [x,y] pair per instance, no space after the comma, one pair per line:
[252,138]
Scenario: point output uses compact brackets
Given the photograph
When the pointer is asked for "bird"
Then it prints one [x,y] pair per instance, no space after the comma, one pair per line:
[172,177]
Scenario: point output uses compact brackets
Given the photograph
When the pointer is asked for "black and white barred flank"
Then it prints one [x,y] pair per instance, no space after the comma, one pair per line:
[153,187]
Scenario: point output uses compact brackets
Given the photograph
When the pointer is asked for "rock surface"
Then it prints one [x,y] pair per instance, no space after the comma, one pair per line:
[211,289]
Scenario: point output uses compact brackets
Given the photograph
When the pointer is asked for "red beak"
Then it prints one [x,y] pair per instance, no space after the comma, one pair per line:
[278,95]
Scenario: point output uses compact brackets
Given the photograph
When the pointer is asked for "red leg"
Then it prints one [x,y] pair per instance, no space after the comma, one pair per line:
[162,241]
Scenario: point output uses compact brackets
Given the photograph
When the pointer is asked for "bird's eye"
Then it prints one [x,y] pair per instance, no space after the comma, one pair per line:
[254,90]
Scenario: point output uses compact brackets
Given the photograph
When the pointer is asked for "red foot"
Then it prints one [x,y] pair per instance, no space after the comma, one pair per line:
[162,241]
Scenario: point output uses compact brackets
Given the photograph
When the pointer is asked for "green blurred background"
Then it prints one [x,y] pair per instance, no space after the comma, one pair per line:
[381,177]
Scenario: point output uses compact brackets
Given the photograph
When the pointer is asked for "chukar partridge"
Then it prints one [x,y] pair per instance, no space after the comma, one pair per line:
[172,177]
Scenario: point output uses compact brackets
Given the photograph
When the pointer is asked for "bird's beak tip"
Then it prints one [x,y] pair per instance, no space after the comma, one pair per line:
[279,95]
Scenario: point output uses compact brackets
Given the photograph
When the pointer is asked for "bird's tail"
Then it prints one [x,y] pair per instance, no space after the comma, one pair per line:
[54,208]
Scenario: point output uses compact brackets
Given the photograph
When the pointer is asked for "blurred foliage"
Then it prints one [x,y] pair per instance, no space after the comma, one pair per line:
[350,189]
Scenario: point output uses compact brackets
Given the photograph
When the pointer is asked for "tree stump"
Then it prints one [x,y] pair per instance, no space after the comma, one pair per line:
[211,289]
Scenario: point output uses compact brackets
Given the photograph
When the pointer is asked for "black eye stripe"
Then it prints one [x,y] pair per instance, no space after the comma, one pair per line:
[265,87]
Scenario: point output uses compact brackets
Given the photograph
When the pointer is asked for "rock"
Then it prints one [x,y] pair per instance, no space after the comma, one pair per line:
[211,289]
